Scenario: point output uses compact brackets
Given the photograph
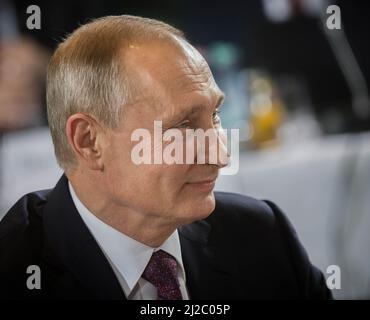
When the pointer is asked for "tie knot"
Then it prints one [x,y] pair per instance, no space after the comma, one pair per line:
[161,271]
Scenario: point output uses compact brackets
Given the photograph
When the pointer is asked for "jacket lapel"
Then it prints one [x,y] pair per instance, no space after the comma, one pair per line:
[209,267]
[77,250]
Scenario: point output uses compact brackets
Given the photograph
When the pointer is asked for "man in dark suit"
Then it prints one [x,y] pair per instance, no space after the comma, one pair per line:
[119,225]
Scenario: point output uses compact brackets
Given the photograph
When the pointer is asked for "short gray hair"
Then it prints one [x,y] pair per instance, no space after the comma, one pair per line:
[87,74]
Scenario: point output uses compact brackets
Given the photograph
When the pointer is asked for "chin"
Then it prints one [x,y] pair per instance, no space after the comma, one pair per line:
[200,207]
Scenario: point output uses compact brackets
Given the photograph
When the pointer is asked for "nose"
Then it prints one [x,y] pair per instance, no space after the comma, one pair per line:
[211,147]
[223,157]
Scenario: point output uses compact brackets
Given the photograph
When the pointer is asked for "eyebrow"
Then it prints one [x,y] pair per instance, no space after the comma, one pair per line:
[185,113]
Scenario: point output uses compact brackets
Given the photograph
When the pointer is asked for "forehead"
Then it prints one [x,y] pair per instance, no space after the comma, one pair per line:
[172,74]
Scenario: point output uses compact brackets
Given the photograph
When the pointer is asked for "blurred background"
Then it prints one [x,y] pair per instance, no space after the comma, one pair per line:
[297,90]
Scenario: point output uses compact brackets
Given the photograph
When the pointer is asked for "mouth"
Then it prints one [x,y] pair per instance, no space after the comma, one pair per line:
[203,185]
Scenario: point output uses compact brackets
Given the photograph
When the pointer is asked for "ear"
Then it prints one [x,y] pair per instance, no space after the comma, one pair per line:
[84,134]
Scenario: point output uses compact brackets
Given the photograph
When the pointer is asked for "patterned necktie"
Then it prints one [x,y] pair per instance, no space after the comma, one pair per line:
[161,272]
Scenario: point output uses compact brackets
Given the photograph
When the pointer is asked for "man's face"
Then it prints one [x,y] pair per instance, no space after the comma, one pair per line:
[175,86]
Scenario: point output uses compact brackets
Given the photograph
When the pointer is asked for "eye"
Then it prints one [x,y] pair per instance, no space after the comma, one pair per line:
[215,116]
[184,124]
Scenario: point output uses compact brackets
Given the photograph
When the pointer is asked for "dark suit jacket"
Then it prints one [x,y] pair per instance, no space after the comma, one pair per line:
[246,249]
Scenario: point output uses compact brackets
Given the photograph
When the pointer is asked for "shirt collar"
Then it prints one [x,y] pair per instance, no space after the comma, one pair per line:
[130,257]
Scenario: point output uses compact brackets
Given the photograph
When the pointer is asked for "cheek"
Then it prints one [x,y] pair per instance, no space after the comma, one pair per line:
[144,185]
[161,187]
[121,174]
[151,183]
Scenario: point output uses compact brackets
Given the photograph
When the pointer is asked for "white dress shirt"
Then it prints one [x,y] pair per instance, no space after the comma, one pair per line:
[128,257]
